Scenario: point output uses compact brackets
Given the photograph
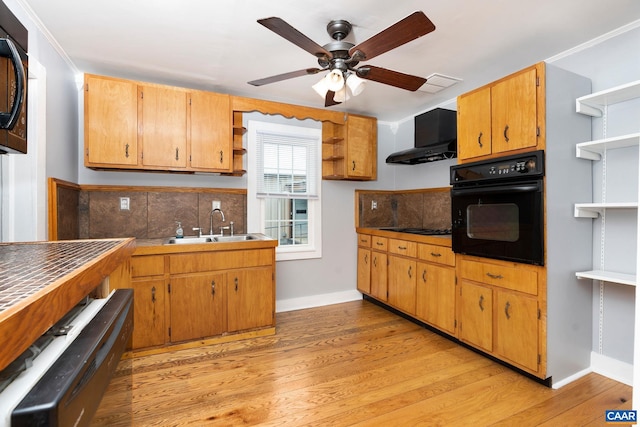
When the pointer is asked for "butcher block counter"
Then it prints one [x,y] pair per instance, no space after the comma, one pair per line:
[41,281]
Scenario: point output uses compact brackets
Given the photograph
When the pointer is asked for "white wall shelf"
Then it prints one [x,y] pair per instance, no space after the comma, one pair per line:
[608,276]
[593,150]
[594,104]
[592,210]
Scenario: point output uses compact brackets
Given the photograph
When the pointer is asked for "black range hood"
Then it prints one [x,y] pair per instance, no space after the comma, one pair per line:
[435,139]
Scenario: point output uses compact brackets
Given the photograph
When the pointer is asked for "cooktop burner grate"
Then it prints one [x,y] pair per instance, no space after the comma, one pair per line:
[422,231]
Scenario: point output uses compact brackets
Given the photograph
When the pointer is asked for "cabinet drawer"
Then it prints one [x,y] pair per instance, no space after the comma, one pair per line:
[364,240]
[379,243]
[224,260]
[437,254]
[402,247]
[509,277]
[147,265]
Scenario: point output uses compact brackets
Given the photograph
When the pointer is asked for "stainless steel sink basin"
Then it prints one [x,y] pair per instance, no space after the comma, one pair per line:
[236,238]
[188,240]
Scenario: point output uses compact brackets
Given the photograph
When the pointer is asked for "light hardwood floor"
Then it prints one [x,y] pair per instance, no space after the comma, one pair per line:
[343,365]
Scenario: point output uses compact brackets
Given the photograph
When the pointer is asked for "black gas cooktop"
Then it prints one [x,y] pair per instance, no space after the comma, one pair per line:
[421,231]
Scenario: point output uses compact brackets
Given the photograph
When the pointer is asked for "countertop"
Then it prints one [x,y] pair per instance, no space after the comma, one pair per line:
[439,240]
[41,281]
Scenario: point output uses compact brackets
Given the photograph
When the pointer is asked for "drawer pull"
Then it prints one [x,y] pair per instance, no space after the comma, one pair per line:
[402,248]
[506,310]
[379,243]
[494,276]
[481,303]
[434,254]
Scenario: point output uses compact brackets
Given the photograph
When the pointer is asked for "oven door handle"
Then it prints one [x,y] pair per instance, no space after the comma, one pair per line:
[8,50]
[527,187]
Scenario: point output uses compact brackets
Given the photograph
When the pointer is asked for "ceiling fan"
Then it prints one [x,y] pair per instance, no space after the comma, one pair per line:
[340,57]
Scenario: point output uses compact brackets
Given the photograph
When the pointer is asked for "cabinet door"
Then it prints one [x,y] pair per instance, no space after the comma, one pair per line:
[110,121]
[436,296]
[474,124]
[379,275]
[250,298]
[361,147]
[514,112]
[163,127]
[476,315]
[211,136]
[197,303]
[364,270]
[149,313]
[517,328]
[402,284]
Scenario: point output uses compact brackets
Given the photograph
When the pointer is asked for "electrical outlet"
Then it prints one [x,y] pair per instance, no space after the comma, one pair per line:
[215,204]
[374,205]
[124,203]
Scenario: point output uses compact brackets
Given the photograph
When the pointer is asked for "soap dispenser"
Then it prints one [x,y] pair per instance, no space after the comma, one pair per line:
[179,232]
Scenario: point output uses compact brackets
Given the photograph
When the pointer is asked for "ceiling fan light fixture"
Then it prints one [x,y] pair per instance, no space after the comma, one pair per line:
[321,88]
[341,95]
[355,84]
[335,80]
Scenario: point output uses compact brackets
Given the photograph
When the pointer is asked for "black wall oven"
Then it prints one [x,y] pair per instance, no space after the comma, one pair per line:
[497,208]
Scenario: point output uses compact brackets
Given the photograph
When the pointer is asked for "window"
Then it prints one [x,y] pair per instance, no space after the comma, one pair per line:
[284,187]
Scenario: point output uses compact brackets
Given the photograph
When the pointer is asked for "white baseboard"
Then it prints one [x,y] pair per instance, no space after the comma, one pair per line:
[563,382]
[612,368]
[317,300]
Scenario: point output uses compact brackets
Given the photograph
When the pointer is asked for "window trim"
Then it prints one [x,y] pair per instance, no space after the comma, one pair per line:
[256,211]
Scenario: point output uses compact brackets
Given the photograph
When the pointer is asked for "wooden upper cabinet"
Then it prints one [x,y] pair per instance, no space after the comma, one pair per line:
[163,127]
[110,122]
[474,124]
[211,127]
[349,150]
[361,147]
[502,117]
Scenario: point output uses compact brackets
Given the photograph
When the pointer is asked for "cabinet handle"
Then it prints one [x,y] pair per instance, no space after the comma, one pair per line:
[480,140]
[481,303]
[177,155]
[494,276]
[221,156]
[506,133]
[126,150]
[153,294]
[236,282]
[424,276]
[402,248]
[354,165]
[379,243]
[506,310]
[366,258]
[409,272]
[375,261]
[213,287]
[435,254]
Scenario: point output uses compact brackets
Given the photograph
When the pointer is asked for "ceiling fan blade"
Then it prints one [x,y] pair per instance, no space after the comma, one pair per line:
[328,99]
[410,28]
[285,76]
[390,77]
[283,29]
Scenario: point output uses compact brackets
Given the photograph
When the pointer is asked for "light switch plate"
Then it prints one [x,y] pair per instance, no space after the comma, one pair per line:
[124,203]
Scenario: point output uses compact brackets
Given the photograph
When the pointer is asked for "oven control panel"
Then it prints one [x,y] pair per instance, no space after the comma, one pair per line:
[527,165]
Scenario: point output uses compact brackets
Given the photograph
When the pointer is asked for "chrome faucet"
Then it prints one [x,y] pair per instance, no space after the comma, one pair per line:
[211,219]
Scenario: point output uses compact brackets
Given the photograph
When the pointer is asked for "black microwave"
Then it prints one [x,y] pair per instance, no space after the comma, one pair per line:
[13,83]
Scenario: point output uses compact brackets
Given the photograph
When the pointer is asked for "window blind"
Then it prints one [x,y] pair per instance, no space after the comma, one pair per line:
[287,165]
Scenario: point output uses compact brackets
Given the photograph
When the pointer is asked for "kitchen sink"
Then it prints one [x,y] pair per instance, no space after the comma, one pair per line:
[188,240]
[236,238]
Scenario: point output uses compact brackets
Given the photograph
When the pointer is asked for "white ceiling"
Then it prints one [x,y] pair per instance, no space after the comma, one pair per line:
[218,45]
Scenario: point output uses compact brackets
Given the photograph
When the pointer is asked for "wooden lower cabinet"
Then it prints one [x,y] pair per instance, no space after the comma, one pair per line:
[516,320]
[436,296]
[475,313]
[250,302]
[402,284]
[183,297]
[379,275]
[202,294]
[364,270]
